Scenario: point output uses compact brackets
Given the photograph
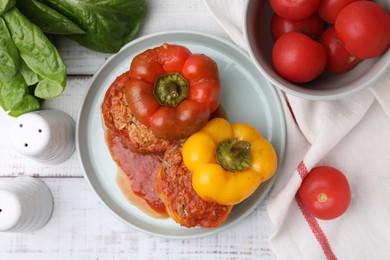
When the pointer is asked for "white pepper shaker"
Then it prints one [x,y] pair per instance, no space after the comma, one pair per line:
[26,204]
[47,136]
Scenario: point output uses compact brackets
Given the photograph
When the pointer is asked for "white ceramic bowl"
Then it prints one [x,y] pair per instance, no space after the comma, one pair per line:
[258,14]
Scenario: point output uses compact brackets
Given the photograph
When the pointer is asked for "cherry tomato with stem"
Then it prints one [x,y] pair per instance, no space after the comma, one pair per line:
[312,26]
[339,60]
[298,58]
[364,28]
[325,192]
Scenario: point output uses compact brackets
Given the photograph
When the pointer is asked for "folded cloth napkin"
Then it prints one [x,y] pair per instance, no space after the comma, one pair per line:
[352,135]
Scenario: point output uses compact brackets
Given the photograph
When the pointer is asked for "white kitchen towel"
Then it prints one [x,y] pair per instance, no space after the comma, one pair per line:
[352,135]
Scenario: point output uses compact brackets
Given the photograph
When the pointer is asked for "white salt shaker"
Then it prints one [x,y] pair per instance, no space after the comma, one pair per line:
[47,136]
[26,204]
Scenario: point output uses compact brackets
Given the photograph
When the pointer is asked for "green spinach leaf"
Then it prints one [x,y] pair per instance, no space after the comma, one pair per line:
[15,97]
[12,92]
[9,56]
[29,76]
[40,55]
[109,24]
[48,19]
[27,104]
[47,89]
[5,5]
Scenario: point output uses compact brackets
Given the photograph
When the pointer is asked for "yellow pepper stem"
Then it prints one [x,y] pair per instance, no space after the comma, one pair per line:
[234,155]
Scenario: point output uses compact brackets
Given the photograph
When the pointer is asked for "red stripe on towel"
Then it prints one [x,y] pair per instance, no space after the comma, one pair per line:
[302,170]
[312,221]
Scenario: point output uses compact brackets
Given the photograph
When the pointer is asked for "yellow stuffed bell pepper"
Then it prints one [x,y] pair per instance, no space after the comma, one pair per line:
[228,161]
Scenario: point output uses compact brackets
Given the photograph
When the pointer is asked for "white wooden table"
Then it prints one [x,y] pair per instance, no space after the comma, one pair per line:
[80,227]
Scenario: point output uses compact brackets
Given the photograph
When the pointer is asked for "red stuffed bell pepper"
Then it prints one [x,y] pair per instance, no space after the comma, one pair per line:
[173,91]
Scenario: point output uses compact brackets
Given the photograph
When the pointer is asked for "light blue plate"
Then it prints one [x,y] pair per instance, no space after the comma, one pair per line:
[246,96]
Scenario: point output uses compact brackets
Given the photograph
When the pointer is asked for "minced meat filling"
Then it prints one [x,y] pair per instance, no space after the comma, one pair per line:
[174,185]
[139,137]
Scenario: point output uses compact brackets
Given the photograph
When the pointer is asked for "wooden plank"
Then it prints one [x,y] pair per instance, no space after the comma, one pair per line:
[81,228]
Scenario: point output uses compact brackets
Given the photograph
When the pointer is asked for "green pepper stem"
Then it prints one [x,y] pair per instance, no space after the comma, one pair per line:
[170,89]
[234,155]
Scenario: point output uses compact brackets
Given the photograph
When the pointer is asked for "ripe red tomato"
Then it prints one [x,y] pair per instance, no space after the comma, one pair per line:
[325,192]
[339,59]
[311,26]
[294,9]
[364,28]
[329,9]
[298,58]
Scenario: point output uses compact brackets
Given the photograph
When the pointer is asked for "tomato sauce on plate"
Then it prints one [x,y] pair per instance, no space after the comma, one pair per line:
[141,171]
